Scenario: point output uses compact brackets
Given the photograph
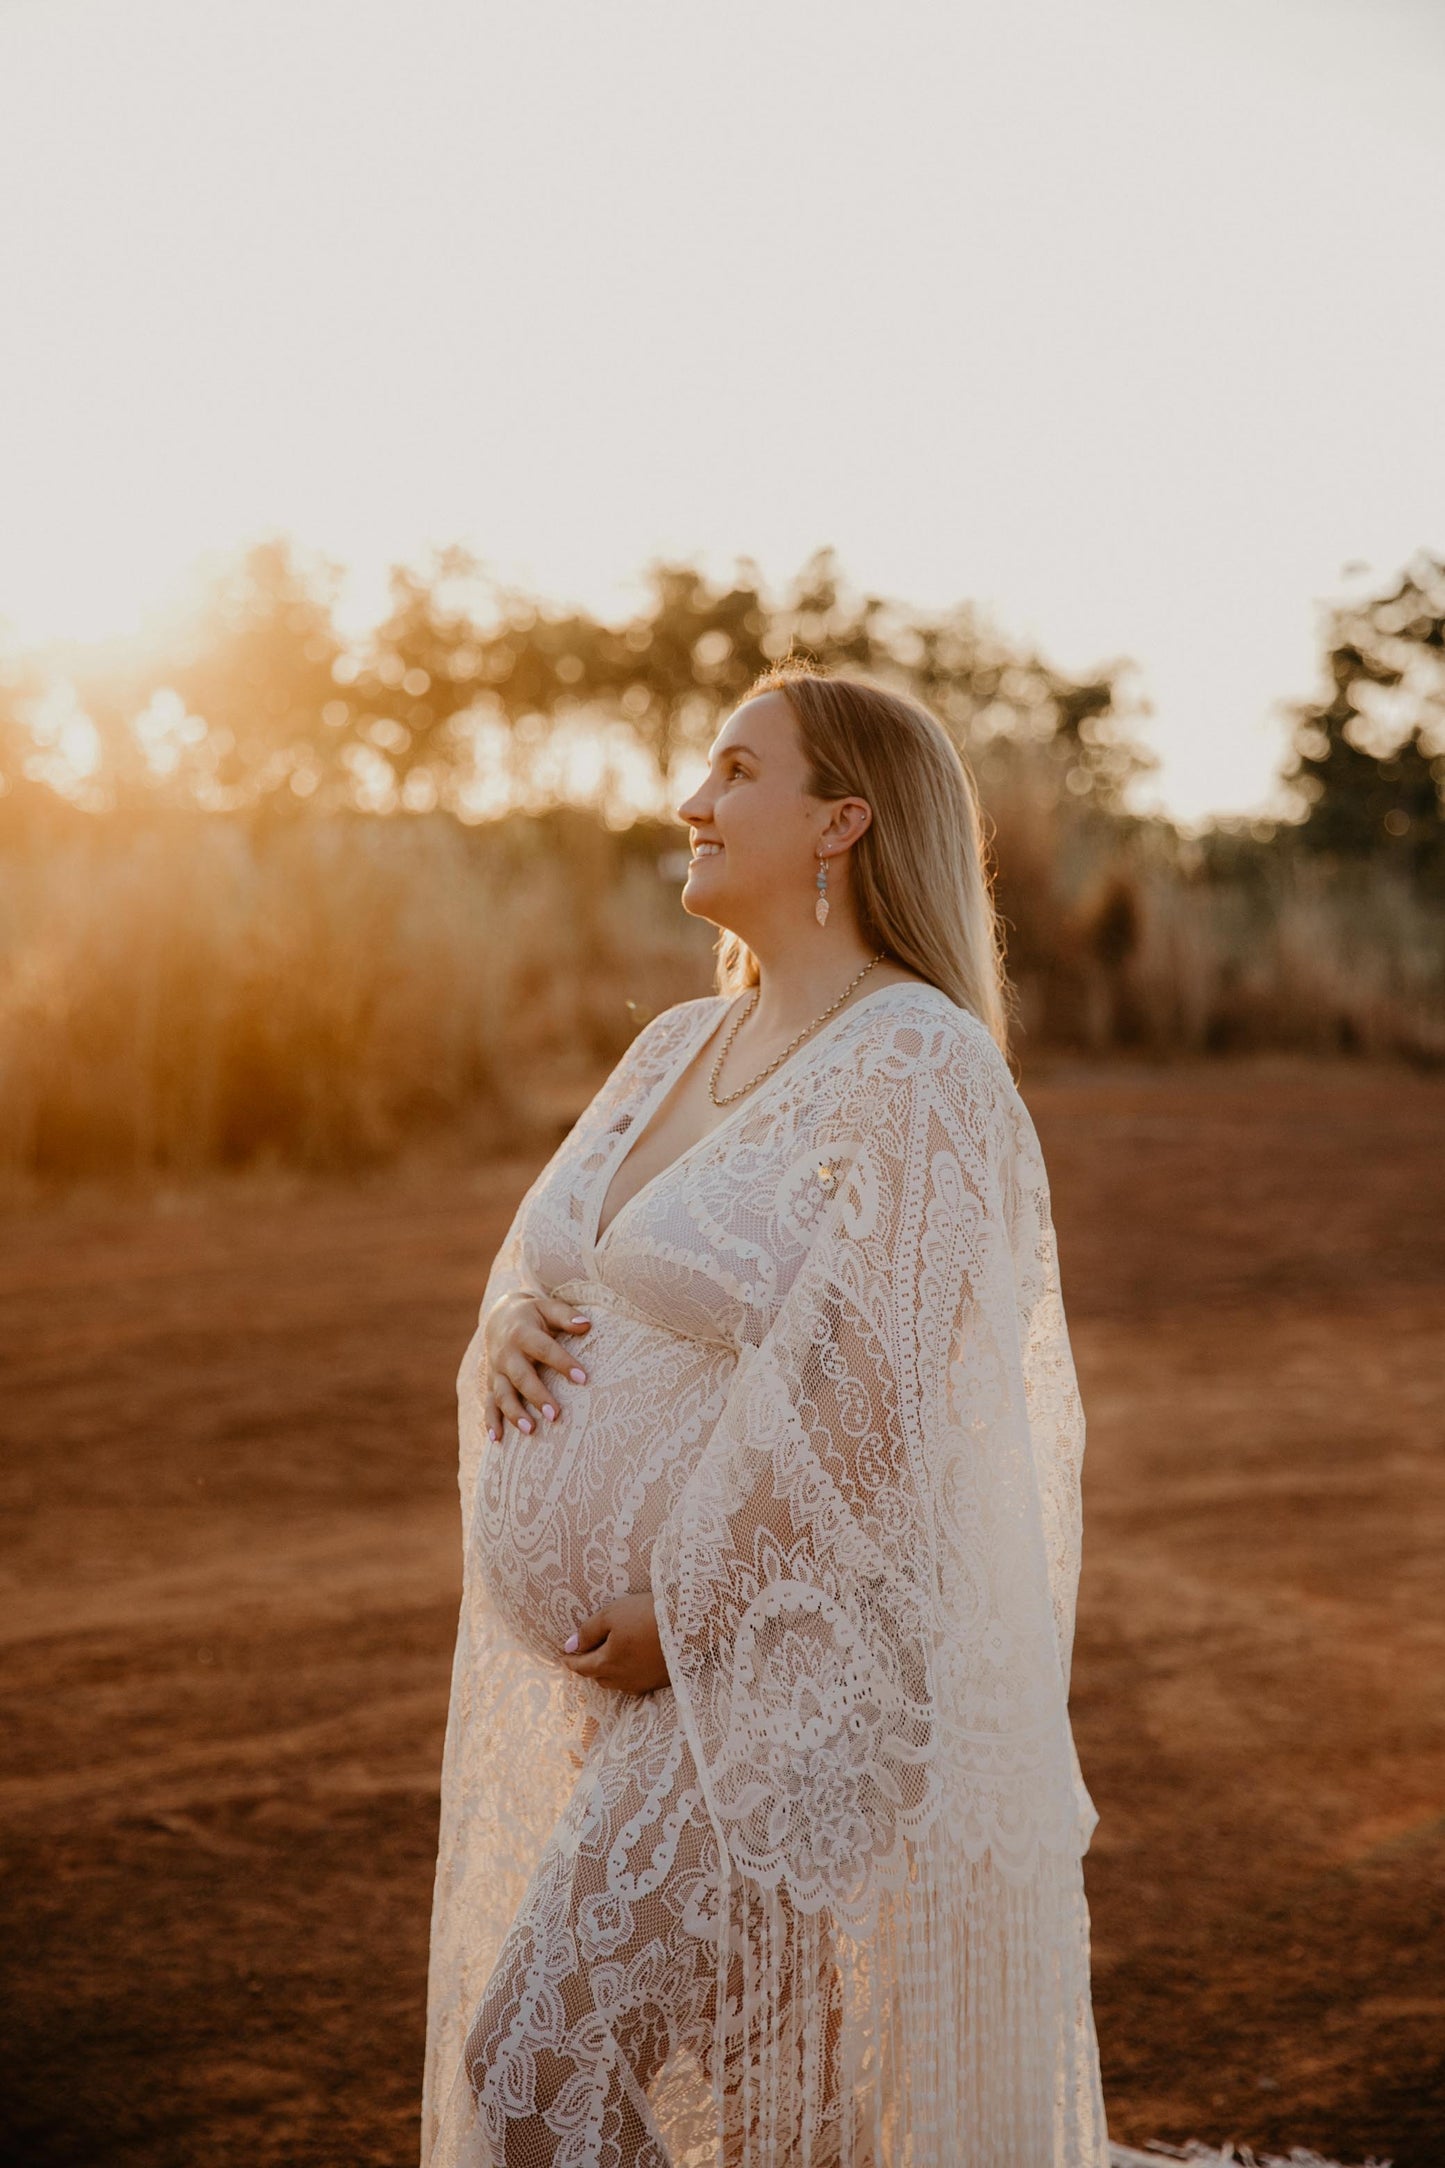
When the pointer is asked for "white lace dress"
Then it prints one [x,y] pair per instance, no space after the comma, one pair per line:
[820,1900]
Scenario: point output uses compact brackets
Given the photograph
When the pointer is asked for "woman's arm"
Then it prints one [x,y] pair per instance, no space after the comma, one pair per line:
[853,1591]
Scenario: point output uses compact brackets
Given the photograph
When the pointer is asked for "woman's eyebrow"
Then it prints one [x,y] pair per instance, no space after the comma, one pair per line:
[730,749]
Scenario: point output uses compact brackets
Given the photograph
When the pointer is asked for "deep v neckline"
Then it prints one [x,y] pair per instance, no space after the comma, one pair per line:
[670,1076]
[633,1136]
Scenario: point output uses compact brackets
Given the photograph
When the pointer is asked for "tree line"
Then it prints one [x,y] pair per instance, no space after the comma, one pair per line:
[258,702]
[471,698]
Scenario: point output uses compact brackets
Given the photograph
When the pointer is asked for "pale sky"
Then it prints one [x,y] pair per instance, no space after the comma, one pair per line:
[1123,318]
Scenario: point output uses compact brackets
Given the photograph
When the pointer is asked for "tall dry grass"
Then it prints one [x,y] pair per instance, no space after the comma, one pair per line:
[206,992]
[210,993]
[1122,936]
[1307,960]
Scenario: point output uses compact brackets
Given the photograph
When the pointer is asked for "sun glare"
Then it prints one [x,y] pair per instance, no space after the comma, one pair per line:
[1071,360]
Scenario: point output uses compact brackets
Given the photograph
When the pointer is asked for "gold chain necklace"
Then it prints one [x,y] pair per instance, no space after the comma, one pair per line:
[728,1097]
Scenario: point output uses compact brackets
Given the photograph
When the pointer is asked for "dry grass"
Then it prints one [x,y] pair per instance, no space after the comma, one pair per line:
[212,995]
[203,992]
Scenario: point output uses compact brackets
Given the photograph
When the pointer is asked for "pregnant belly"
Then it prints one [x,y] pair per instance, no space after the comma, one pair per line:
[566,1516]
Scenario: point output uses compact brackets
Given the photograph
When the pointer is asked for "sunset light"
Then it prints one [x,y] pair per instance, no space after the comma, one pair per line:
[1112,319]
[722,1082]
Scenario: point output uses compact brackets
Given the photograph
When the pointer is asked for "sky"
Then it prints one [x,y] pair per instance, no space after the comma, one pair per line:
[1121,319]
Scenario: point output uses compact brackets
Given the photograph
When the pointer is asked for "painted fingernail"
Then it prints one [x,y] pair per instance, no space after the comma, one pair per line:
[549,1411]
[524,1422]
[491,1434]
[578,1377]
[569,1646]
[579,1322]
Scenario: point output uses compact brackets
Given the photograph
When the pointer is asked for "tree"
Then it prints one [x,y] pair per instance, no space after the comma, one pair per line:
[257,703]
[681,665]
[1369,755]
[426,666]
[260,667]
[20,684]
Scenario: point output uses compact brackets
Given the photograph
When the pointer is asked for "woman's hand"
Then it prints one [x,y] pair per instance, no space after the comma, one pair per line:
[517,1335]
[619,1646]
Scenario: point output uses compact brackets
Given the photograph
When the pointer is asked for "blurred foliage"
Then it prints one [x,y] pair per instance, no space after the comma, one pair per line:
[477,700]
[26,798]
[458,697]
[212,951]
[1369,756]
[179,993]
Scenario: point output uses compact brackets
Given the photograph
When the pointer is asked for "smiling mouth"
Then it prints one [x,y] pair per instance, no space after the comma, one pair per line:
[706,850]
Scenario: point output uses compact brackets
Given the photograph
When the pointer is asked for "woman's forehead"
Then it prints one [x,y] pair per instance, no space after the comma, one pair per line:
[755,726]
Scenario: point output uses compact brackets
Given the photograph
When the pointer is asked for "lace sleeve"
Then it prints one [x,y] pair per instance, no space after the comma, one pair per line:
[853,1591]
[509,1270]
[1055,1410]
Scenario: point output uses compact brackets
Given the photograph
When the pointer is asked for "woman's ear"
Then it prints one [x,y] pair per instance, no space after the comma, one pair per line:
[848,820]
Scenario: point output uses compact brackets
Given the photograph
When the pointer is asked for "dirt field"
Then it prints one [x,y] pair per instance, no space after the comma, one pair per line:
[230,1582]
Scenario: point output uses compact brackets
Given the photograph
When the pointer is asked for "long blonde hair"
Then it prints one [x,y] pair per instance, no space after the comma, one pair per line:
[921,879]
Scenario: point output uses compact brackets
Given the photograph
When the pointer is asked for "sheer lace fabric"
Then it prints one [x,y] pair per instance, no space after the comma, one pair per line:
[820,1900]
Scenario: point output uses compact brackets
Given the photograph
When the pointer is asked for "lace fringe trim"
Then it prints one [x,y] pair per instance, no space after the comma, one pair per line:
[961,2030]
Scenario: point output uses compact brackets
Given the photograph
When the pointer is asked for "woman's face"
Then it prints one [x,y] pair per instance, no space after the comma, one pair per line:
[755,828]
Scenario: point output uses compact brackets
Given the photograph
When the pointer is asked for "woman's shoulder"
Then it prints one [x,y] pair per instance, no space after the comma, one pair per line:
[912,1031]
[907,1025]
[679,1015]
[920,1014]
[670,1026]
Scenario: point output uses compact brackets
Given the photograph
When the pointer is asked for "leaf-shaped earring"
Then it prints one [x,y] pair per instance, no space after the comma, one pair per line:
[820,908]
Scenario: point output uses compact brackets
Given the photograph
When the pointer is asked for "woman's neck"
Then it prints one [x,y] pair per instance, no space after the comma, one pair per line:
[798,980]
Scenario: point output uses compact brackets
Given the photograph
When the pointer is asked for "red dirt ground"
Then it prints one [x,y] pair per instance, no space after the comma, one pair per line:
[231,1577]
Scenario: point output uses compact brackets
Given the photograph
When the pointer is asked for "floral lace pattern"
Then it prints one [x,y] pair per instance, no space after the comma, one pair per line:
[821,1898]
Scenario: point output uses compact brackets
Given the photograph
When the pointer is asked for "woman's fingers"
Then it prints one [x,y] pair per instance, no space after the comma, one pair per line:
[531,1351]
[511,1407]
[591,1651]
[544,1349]
[561,1317]
[609,1650]
[503,1404]
[516,1392]
[590,1634]
[528,1386]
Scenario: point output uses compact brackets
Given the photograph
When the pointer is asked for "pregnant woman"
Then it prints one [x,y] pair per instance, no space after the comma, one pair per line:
[762,1825]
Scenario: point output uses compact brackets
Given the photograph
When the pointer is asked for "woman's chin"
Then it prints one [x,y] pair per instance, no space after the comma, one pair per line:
[703,895]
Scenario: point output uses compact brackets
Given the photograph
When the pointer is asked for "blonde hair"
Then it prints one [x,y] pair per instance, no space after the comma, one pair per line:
[921,879]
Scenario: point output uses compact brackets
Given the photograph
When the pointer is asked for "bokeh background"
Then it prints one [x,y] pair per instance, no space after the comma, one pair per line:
[417,426]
